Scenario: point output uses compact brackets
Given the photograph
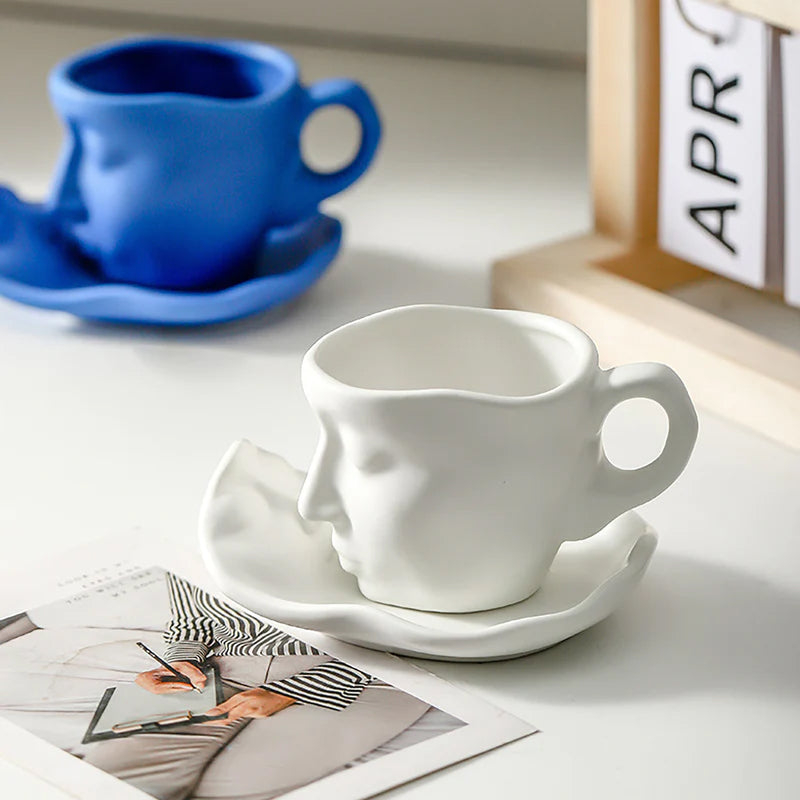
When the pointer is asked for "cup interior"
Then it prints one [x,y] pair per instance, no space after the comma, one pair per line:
[188,68]
[507,354]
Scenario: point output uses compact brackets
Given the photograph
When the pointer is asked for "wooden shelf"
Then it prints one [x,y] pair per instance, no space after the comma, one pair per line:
[740,375]
[610,282]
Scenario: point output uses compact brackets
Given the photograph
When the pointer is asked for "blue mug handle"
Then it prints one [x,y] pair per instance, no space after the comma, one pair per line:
[315,186]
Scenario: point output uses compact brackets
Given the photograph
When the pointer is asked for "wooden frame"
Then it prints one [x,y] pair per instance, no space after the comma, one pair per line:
[604,281]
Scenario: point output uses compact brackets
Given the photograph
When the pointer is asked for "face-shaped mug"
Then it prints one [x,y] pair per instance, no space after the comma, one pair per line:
[461,446]
[179,154]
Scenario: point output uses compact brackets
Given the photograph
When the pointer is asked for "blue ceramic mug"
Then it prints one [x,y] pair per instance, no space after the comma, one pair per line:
[179,154]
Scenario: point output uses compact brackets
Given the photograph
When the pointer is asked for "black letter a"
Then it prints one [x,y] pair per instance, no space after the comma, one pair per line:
[719,232]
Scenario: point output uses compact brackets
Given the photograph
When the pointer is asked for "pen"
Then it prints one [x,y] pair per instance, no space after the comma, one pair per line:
[164,664]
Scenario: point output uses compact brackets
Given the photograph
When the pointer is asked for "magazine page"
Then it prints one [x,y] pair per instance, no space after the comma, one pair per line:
[106,658]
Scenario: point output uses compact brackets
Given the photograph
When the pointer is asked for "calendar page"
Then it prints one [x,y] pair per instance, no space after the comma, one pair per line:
[791,117]
[718,183]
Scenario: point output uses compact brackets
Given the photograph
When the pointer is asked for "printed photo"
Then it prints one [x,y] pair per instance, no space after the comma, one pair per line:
[173,690]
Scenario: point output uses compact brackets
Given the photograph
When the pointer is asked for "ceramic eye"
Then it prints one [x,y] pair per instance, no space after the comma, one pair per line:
[379,461]
[100,151]
[109,159]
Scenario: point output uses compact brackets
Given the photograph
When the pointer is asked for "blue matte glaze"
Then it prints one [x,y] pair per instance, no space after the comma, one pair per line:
[36,269]
[180,158]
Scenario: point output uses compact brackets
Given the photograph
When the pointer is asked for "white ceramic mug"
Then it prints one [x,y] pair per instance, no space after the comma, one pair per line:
[461,446]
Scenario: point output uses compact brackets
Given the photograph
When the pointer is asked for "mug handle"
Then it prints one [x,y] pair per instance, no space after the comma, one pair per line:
[313,186]
[612,490]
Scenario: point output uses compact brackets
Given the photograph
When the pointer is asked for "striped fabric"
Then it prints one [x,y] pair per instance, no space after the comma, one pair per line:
[332,685]
[201,623]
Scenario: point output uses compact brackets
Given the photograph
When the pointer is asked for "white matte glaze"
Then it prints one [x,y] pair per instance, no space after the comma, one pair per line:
[460,448]
[264,555]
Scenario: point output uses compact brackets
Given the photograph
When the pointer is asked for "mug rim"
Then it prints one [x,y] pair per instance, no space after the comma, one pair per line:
[581,344]
[63,84]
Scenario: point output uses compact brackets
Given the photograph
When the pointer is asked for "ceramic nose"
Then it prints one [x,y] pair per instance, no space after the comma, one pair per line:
[68,203]
[66,200]
[319,501]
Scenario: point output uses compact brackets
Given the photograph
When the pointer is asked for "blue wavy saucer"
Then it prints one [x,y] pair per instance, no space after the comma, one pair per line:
[37,268]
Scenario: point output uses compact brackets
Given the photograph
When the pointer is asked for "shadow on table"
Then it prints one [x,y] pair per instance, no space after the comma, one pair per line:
[359,283]
[692,626]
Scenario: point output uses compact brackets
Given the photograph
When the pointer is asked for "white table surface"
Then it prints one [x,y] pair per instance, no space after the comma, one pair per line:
[691,690]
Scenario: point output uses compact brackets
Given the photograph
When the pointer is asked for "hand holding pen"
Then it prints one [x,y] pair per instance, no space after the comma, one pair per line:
[179,676]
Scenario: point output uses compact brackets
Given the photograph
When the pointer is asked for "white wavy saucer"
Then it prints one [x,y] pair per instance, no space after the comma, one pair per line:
[266,557]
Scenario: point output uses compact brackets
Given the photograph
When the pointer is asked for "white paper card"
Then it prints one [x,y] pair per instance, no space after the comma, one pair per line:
[69,627]
[791,121]
[713,186]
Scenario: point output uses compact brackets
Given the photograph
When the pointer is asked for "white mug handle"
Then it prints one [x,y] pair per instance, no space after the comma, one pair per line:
[611,490]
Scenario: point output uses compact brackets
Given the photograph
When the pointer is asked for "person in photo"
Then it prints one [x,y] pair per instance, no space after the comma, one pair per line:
[292,714]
